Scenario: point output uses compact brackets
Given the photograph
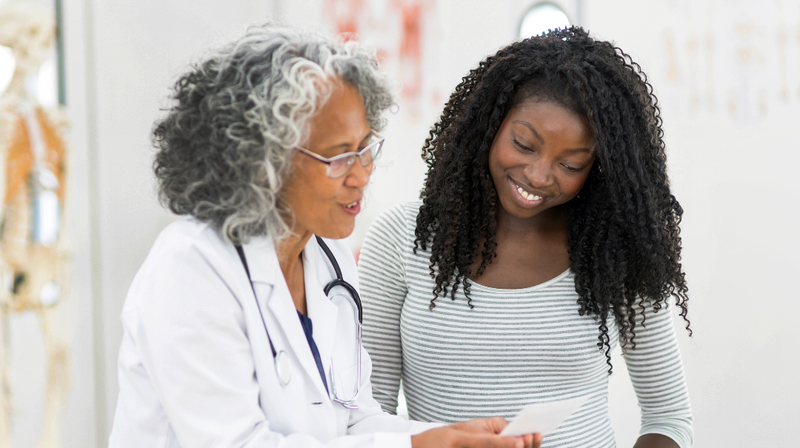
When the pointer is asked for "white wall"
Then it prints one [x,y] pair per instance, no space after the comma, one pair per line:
[728,76]
[141,47]
[122,57]
[27,358]
[728,137]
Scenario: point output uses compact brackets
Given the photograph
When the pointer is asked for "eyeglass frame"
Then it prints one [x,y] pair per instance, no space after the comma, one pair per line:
[348,155]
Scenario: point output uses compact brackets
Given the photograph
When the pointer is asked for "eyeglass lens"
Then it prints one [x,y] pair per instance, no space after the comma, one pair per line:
[367,155]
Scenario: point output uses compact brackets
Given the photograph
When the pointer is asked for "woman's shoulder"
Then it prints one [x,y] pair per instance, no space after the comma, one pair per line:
[185,250]
[393,230]
[188,234]
[402,215]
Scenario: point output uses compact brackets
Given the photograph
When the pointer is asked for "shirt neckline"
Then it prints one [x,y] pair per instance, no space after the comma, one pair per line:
[542,285]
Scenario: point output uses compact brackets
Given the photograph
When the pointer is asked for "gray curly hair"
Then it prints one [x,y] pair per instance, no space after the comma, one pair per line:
[223,150]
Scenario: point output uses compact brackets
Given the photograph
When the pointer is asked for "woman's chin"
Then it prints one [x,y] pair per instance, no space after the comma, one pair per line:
[336,232]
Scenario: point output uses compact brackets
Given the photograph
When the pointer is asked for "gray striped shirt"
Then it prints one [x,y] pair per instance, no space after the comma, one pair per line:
[516,347]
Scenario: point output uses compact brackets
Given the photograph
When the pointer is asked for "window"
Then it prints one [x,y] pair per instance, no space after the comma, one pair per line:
[31,28]
[542,17]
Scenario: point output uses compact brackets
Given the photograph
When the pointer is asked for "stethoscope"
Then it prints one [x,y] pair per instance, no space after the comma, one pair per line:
[283,367]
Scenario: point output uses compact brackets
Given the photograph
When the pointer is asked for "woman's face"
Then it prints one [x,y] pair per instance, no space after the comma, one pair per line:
[540,158]
[323,206]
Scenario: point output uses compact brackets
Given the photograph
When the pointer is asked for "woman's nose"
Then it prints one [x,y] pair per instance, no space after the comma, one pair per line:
[358,176]
[539,173]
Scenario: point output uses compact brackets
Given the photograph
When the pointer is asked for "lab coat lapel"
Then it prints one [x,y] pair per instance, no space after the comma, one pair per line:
[264,267]
[321,310]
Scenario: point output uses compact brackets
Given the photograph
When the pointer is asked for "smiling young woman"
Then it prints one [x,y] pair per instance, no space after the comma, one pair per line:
[548,221]
[539,161]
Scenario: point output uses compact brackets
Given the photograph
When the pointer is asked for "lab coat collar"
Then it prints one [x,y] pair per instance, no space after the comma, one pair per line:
[264,267]
[263,261]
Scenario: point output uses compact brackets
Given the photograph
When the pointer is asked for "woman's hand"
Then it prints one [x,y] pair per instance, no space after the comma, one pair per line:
[477,433]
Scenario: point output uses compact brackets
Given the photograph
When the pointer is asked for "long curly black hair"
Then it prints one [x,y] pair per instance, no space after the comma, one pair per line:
[623,228]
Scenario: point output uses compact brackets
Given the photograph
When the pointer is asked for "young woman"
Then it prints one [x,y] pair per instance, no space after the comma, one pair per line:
[546,235]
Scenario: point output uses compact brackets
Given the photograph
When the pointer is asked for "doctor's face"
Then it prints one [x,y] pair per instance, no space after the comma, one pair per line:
[322,205]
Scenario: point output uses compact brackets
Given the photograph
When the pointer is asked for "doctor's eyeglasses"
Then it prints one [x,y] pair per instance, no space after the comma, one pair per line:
[339,165]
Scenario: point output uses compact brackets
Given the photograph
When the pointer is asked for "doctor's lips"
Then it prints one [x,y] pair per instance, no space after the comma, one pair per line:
[352,208]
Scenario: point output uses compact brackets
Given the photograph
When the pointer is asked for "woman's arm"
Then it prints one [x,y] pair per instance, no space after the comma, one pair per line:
[381,272]
[655,441]
[656,371]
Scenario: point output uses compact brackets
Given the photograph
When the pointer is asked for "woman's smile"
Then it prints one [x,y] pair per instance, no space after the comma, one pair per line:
[525,197]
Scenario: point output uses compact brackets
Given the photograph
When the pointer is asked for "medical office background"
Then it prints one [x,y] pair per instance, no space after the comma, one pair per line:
[727,75]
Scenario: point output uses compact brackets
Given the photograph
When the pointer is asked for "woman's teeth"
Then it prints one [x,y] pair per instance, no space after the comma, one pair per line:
[351,205]
[528,196]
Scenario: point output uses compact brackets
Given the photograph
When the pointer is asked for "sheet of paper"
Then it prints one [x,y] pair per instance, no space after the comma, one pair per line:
[543,418]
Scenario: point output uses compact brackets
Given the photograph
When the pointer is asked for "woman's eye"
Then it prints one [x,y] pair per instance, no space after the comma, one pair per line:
[520,145]
[571,168]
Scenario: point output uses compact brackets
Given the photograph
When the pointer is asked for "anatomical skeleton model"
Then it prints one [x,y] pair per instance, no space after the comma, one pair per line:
[33,263]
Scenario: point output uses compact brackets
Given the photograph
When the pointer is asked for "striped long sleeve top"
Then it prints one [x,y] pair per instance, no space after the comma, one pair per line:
[514,348]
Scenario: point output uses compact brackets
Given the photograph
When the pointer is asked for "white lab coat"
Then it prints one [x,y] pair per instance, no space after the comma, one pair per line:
[195,365]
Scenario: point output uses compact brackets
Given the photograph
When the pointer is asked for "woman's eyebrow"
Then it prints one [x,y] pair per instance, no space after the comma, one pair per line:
[346,145]
[574,150]
[529,126]
[337,146]
[539,137]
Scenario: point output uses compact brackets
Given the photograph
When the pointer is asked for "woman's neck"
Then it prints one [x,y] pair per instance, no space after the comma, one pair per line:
[290,259]
[527,252]
[550,221]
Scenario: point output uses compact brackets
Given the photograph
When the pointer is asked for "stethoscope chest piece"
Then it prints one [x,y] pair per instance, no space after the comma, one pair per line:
[283,368]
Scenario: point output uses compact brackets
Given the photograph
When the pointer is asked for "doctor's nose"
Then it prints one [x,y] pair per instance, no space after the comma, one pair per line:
[359,175]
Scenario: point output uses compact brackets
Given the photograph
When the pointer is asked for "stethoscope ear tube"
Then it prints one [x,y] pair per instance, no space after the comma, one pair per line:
[339,280]
[353,294]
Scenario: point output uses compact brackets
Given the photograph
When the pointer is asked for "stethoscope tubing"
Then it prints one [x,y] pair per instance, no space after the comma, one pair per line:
[240,251]
[280,357]
[339,281]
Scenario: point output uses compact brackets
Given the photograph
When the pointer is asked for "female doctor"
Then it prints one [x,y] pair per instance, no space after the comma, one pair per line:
[241,329]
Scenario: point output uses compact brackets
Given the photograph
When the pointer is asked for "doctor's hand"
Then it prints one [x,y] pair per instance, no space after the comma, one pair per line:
[477,433]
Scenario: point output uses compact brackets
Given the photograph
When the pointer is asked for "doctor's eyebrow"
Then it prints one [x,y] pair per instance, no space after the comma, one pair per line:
[345,145]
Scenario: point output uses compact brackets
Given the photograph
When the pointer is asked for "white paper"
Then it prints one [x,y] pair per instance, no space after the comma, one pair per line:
[543,418]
